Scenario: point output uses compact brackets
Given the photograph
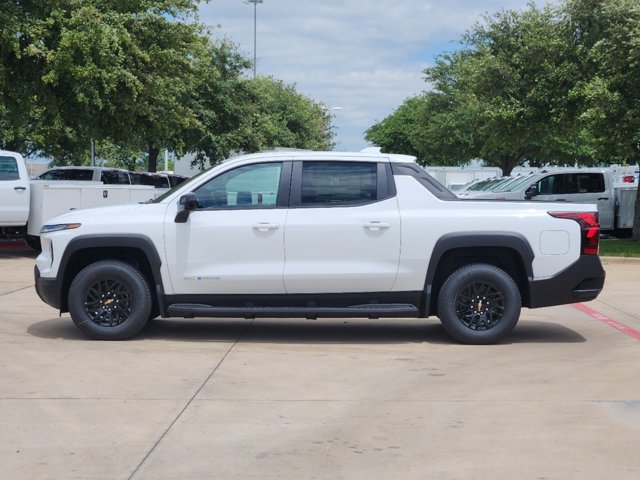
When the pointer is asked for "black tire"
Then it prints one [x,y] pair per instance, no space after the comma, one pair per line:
[479,304]
[34,242]
[110,300]
[155,311]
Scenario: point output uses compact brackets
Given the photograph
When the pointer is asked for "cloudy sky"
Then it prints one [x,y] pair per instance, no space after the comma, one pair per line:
[361,58]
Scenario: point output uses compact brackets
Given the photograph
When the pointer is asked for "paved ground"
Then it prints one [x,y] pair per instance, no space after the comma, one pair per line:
[324,399]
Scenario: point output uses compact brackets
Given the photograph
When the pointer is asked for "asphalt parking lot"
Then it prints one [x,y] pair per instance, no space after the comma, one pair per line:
[320,399]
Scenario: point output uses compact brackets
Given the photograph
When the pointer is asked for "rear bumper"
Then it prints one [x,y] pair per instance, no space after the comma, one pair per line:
[580,282]
[47,289]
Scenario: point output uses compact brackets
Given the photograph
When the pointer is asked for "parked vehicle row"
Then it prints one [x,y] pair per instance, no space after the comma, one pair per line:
[112,176]
[616,202]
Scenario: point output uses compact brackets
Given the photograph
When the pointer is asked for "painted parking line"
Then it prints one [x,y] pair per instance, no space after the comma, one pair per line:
[608,321]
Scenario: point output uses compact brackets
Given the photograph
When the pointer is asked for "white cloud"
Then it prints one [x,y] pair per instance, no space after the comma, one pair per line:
[365,56]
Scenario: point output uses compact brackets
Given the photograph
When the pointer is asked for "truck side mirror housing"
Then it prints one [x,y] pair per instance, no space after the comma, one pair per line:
[531,192]
[187,204]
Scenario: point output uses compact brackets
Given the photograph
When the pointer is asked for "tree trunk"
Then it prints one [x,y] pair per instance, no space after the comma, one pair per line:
[508,163]
[636,218]
[153,158]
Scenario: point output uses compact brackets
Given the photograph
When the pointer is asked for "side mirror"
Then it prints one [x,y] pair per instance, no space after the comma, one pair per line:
[187,204]
[531,192]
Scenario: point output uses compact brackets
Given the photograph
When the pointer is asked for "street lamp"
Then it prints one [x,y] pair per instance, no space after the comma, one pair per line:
[255,17]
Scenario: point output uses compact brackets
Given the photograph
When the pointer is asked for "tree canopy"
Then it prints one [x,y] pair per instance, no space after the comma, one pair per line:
[264,113]
[549,86]
[135,76]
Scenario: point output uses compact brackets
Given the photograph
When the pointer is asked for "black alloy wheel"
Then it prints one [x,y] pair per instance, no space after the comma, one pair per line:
[479,304]
[110,300]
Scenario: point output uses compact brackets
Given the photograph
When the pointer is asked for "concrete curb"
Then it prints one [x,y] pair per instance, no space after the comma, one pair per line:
[620,260]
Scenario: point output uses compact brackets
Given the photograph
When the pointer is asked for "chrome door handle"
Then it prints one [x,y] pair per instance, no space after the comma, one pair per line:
[265,227]
[19,188]
[375,226]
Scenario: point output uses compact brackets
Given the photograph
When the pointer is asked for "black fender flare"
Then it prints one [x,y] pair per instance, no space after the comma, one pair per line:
[452,241]
[140,242]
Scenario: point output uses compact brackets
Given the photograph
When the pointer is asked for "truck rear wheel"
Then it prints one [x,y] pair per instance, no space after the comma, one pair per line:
[109,300]
[479,304]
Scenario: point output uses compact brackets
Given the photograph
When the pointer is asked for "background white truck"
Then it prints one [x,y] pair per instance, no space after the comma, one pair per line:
[25,205]
[615,200]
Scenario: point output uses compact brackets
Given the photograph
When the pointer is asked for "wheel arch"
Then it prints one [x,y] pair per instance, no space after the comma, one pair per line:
[136,250]
[506,250]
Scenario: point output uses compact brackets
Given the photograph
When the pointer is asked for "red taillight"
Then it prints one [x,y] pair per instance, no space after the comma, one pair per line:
[628,179]
[589,229]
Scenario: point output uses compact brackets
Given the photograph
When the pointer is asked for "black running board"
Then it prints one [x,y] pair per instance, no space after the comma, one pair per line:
[190,310]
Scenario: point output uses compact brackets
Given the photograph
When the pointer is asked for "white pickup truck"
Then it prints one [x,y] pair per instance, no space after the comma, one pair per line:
[318,234]
[25,205]
[616,202]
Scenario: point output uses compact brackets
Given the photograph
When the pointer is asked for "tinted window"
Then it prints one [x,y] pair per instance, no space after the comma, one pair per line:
[176,180]
[250,186]
[158,181]
[590,182]
[9,169]
[136,178]
[338,183]
[115,177]
[571,183]
[68,174]
[513,186]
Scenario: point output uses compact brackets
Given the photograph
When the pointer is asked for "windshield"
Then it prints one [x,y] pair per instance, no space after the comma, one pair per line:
[177,187]
[480,185]
[512,186]
[491,185]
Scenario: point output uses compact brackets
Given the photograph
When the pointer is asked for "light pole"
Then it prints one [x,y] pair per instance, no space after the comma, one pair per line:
[255,41]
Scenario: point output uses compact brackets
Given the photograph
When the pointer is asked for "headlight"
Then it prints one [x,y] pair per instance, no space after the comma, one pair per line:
[59,227]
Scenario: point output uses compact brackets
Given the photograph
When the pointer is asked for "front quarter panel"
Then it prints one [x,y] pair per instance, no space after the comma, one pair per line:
[107,223]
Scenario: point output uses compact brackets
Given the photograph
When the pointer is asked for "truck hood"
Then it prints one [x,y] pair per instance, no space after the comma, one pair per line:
[84,214]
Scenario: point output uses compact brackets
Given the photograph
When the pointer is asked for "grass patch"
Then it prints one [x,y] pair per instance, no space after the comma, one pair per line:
[619,247]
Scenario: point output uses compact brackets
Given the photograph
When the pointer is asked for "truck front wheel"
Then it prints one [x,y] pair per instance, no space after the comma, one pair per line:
[109,300]
[479,304]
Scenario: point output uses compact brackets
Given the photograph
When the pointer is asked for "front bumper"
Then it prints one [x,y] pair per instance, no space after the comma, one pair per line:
[48,289]
[580,282]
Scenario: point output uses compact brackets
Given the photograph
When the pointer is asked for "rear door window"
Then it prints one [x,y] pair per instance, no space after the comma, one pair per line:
[571,183]
[68,174]
[115,177]
[338,183]
[9,169]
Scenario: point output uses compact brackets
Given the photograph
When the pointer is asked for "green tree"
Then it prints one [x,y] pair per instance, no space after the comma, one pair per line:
[108,70]
[280,116]
[503,97]
[135,76]
[250,115]
[606,33]
[513,80]
[396,133]
[221,103]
